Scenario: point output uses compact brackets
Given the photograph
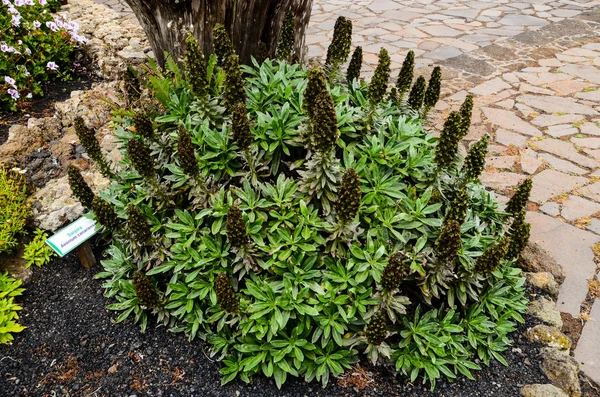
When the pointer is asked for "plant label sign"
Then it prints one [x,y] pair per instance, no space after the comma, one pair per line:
[71,236]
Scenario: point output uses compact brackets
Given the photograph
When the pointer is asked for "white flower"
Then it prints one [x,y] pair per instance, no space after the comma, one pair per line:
[29,96]
[16,20]
[19,42]
[52,26]
[37,24]
[52,66]
[27,51]
[42,2]
[19,3]
[13,93]
[7,3]
[10,81]
[29,2]
[4,48]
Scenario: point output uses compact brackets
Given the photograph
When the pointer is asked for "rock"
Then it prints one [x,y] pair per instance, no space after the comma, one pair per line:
[539,390]
[21,141]
[562,370]
[545,310]
[544,281]
[548,336]
[55,206]
[535,259]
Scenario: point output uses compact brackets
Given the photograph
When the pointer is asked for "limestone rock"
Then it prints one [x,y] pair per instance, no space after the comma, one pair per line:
[562,370]
[544,281]
[545,310]
[539,390]
[548,336]
[535,259]
[21,141]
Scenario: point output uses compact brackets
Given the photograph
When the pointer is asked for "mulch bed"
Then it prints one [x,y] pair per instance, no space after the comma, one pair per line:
[71,347]
[55,91]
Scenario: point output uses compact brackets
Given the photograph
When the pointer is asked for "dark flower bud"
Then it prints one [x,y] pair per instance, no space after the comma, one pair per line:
[286,37]
[379,82]
[92,147]
[105,214]
[432,95]
[519,200]
[137,225]
[316,84]
[406,75]
[417,94]
[519,236]
[131,84]
[79,187]
[376,330]
[263,52]
[240,126]
[339,49]
[348,202]
[234,91]
[394,272]
[466,110]
[475,161]
[225,294]
[324,123]
[491,258]
[458,207]
[186,153]
[195,67]
[143,125]
[236,227]
[222,44]
[145,291]
[355,65]
[140,158]
[447,148]
[448,243]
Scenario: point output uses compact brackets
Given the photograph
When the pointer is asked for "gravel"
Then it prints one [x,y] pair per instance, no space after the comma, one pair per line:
[72,347]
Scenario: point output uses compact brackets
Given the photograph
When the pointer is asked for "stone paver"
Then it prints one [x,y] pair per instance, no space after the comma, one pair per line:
[587,352]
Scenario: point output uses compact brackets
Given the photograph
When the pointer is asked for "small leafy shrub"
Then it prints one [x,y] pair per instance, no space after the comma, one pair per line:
[14,208]
[35,46]
[37,252]
[296,220]
[9,289]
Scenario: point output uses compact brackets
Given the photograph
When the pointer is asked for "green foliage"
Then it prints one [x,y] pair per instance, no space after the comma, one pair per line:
[286,37]
[222,44]
[9,289]
[37,252]
[36,47]
[14,208]
[339,49]
[195,67]
[298,251]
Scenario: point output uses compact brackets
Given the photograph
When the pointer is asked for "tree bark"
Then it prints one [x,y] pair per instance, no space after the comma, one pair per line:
[248,22]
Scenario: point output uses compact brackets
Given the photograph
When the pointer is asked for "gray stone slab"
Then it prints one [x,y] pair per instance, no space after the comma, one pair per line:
[501,180]
[594,225]
[510,121]
[551,183]
[507,138]
[522,20]
[565,150]
[590,129]
[588,72]
[576,207]
[570,247]
[562,165]
[552,104]
[551,208]
[587,352]
[502,162]
[591,191]
[490,87]
[546,120]
[469,64]
[588,143]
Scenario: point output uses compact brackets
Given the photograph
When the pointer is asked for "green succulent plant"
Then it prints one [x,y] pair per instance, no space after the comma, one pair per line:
[405,78]
[286,37]
[353,72]
[417,94]
[380,80]
[145,291]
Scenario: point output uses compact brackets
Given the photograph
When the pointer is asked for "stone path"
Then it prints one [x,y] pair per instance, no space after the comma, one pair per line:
[534,69]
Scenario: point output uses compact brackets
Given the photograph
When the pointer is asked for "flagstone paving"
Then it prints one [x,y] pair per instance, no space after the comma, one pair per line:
[534,70]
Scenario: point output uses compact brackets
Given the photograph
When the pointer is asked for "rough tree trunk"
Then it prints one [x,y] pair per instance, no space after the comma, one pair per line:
[167,22]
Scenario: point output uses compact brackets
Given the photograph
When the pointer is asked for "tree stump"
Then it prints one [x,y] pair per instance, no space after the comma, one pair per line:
[248,22]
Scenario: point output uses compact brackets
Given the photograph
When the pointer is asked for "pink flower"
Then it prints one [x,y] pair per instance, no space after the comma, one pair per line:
[27,51]
[37,24]
[29,2]
[42,2]
[16,20]
[10,81]
[7,3]
[4,48]
[52,66]
[29,96]
[13,93]
[19,3]
[52,26]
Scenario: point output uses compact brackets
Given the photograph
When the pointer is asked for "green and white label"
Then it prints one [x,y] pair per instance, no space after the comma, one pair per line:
[72,236]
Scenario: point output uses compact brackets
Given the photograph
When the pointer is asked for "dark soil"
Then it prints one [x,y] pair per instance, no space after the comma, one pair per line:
[71,347]
[55,91]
